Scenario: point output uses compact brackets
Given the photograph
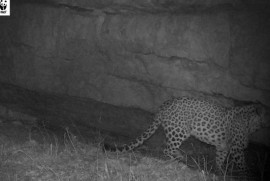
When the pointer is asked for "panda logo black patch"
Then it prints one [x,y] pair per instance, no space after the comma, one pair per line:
[3,4]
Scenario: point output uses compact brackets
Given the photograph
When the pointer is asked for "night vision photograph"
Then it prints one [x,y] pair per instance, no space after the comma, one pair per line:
[134,90]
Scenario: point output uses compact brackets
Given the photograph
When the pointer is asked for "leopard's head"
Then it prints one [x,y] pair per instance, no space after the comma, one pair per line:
[257,118]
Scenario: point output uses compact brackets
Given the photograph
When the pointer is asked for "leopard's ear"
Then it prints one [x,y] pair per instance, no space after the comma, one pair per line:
[260,109]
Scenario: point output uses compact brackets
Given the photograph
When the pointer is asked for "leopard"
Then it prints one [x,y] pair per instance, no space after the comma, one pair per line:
[226,128]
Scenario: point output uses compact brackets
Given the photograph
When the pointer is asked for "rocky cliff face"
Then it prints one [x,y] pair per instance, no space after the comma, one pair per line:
[139,53]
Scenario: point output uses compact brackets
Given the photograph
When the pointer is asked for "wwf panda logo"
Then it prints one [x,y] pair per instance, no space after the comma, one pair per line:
[3,4]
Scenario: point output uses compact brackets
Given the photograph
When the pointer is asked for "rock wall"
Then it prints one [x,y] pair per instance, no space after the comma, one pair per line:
[138,53]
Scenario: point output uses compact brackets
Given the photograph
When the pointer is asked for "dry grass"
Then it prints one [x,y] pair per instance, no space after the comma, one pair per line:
[73,160]
[44,156]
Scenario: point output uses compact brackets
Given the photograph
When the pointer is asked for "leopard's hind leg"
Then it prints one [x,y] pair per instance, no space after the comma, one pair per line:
[174,138]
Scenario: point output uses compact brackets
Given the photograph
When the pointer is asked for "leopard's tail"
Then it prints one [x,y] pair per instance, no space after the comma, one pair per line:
[137,142]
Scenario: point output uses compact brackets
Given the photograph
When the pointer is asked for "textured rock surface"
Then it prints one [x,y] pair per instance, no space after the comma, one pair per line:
[139,53]
[61,112]
[121,56]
